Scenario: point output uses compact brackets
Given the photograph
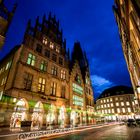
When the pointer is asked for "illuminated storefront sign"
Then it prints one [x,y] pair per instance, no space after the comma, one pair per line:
[77,100]
[77,88]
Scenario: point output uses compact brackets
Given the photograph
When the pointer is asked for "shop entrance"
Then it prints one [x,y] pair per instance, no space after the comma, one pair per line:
[19,114]
[37,116]
[61,117]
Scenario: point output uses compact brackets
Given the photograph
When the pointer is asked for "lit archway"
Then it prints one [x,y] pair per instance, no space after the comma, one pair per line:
[62,116]
[37,116]
[19,114]
[50,117]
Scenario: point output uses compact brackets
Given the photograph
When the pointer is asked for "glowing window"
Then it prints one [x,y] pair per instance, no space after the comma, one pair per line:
[117,104]
[123,110]
[122,103]
[77,100]
[112,110]
[43,66]
[63,74]
[41,85]
[1,93]
[45,41]
[127,103]
[129,109]
[51,45]
[118,110]
[31,59]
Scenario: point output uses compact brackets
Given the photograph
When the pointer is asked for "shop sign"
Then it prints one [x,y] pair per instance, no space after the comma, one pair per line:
[38,134]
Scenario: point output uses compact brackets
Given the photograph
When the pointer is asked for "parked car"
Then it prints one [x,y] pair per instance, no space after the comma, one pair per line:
[131,122]
[138,122]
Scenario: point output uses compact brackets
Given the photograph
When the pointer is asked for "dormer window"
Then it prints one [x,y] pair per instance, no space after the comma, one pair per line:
[77,79]
[51,45]
[45,41]
[57,50]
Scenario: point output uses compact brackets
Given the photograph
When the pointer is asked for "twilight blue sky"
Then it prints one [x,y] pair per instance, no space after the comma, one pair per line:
[91,22]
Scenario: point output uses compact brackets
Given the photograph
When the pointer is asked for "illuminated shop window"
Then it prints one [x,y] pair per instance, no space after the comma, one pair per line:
[41,85]
[53,88]
[77,100]
[129,109]
[63,74]
[27,81]
[31,59]
[122,103]
[117,104]
[14,100]
[1,93]
[77,88]
[45,41]
[51,45]
[123,110]
[118,110]
[127,103]
[54,70]
[43,66]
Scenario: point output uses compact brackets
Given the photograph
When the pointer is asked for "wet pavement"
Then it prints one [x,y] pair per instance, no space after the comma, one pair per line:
[118,132]
[108,132]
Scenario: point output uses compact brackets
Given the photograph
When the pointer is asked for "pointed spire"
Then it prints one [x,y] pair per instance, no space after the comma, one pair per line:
[58,24]
[28,25]
[44,17]
[68,53]
[64,44]
[14,8]
[37,20]
[50,15]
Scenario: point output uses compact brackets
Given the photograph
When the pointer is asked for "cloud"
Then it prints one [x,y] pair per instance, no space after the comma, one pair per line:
[100,84]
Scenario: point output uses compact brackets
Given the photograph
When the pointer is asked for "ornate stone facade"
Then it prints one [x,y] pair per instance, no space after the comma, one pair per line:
[41,84]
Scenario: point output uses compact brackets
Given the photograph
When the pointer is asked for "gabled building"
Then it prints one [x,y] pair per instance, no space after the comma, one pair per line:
[5,20]
[38,83]
[80,84]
